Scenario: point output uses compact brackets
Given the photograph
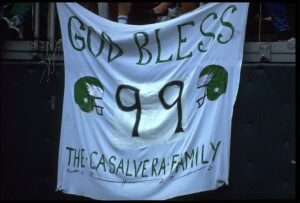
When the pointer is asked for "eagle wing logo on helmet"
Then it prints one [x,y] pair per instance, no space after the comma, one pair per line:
[89,94]
[212,82]
[94,90]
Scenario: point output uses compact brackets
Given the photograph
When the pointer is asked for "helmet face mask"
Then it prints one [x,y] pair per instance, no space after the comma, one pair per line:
[88,94]
[202,88]
[97,104]
[213,82]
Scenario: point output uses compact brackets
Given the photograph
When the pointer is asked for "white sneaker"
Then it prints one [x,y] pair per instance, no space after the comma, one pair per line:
[16,30]
[292,39]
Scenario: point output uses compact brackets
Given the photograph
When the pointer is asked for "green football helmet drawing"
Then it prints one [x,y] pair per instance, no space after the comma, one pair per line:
[89,94]
[214,79]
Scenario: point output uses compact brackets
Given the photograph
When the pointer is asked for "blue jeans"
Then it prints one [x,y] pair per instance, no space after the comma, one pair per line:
[278,14]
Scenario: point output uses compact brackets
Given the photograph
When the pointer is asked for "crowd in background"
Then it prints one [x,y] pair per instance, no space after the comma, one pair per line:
[15,16]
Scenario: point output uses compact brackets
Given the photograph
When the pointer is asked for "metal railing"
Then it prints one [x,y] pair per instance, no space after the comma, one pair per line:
[36,21]
[103,11]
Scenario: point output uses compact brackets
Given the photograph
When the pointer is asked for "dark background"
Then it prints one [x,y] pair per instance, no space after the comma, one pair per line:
[263,137]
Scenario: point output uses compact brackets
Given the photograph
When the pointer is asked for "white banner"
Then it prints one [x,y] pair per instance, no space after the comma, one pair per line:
[147,108]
